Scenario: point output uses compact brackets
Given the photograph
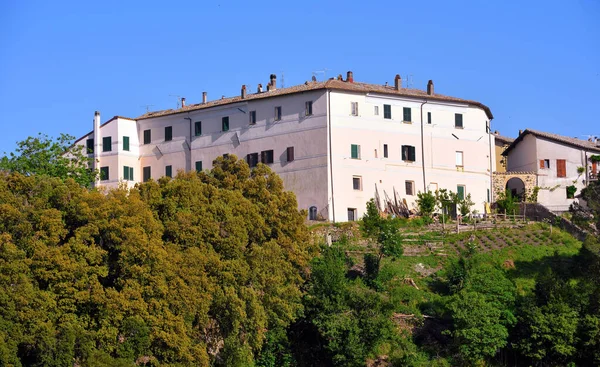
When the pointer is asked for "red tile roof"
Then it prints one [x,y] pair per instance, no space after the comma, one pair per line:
[332,84]
[573,142]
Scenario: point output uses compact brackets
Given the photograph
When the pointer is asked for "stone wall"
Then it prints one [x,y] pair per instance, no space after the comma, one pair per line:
[540,213]
[501,178]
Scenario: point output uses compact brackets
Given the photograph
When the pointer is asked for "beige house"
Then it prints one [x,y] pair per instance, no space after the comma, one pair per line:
[562,164]
[332,142]
[501,143]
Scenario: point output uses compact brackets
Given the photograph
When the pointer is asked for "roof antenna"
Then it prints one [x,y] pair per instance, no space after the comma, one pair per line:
[178,98]
[324,72]
[282,79]
[409,80]
[147,107]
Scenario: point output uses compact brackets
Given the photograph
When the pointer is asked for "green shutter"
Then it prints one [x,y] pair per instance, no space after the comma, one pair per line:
[407,114]
[169,171]
[168,133]
[147,173]
[198,166]
[460,190]
[125,173]
[412,156]
[104,173]
[387,111]
[225,123]
[131,173]
[126,143]
[458,120]
[147,136]
[106,144]
[198,128]
[354,151]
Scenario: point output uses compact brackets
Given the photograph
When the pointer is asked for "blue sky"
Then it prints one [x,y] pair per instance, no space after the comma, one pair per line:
[535,63]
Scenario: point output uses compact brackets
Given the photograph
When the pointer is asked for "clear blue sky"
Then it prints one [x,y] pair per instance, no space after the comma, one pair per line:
[535,63]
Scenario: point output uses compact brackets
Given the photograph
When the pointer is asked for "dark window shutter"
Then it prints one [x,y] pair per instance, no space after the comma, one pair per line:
[104,173]
[169,171]
[460,190]
[458,120]
[90,146]
[225,123]
[147,136]
[429,117]
[131,173]
[412,154]
[290,154]
[198,166]
[385,151]
[252,117]
[407,114]
[198,128]
[125,173]
[126,143]
[354,151]
[106,144]
[404,152]
[147,173]
[168,133]
[387,111]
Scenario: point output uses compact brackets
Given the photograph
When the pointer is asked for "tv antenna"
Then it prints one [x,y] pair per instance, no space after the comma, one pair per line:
[590,137]
[147,107]
[178,98]
[324,72]
[282,79]
[409,81]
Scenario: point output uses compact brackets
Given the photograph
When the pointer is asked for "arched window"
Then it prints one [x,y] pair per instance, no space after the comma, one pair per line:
[312,213]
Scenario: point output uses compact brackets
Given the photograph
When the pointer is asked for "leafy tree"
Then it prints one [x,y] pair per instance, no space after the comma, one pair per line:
[382,230]
[507,202]
[44,155]
[426,202]
[464,205]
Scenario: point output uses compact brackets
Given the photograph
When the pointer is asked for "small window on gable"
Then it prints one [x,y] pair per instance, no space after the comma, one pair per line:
[407,114]
[458,120]
[126,143]
[312,213]
[225,123]
[146,173]
[147,136]
[90,146]
[408,153]
[387,111]
[308,108]
[410,187]
[289,154]
[252,159]
[104,173]
[376,110]
[429,117]
[169,171]
[355,151]
[354,108]
[357,183]
[106,144]
[198,166]
[278,113]
[266,156]
[197,128]
[168,133]
[385,150]
[252,117]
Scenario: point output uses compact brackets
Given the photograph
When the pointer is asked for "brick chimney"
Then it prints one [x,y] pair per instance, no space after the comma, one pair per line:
[243,91]
[349,77]
[339,77]
[397,82]
[203,97]
[259,89]
[273,82]
[182,102]
[520,132]
[430,87]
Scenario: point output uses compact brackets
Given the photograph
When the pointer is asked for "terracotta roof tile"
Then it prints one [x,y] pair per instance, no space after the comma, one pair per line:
[574,142]
[332,84]
[504,139]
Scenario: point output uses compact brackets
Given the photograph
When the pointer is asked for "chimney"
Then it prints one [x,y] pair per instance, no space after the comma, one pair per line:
[203,97]
[520,132]
[496,132]
[339,77]
[430,87]
[273,82]
[398,82]
[243,91]
[350,77]
[259,90]
[182,102]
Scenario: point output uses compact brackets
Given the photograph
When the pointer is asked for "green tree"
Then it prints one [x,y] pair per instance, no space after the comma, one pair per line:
[44,155]
[426,202]
[384,231]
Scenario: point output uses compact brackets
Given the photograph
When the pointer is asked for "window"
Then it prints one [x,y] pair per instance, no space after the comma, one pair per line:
[266,156]
[278,113]
[544,163]
[354,108]
[433,187]
[429,117]
[308,108]
[460,192]
[312,213]
[197,128]
[385,151]
[146,173]
[169,171]
[126,143]
[289,154]
[106,144]
[198,166]
[352,214]
[90,146]
[408,153]
[406,114]
[355,151]
[168,133]
[225,123]
[252,117]
[104,173]
[147,137]
[387,111]
[376,110]
[459,159]
[561,168]
[458,120]
[410,187]
[252,159]
[127,173]
[357,183]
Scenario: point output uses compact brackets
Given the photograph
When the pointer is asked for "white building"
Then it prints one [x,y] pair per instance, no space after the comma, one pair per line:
[331,142]
[558,161]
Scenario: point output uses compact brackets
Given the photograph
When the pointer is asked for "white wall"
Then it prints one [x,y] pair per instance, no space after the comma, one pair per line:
[523,156]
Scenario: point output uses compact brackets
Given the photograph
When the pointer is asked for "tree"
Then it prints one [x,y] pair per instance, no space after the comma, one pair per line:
[426,202]
[384,231]
[44,155]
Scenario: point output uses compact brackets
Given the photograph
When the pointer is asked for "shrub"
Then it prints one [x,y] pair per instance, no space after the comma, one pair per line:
[506,202]
[426,202]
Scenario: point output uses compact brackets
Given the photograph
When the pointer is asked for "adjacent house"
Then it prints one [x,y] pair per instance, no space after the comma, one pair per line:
[332,142]
[501,143]
[563,165]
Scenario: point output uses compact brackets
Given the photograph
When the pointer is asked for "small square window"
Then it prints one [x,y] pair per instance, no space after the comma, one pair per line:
[168,133]
[357,183]
[169,171]
[459,159]
[252,159]
[433,187]
[147,136]
[104,173]
[545,163]
[266,156]
[385,150]
[308,108]
[252,118]
[458,120]
[407,114]
[106,144]
[278,113]
[410,187]
[290,154]
[429,117]
[352,214]
[376,110]
[354,108]
[126,143]
[225,123]
[90,146]
[355,151]
[198,166]
[197,128]
[146,173]
[387,111]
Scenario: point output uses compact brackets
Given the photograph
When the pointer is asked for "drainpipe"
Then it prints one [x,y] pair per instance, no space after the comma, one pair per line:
[423,150]
[190,144]
[330,155]
[491,166]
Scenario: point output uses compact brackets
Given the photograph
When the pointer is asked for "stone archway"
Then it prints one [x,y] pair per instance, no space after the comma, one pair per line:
[501,180]
[516,187]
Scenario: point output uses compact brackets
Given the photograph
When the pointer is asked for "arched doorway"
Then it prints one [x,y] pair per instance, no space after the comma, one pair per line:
[312,213]
[517,187]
